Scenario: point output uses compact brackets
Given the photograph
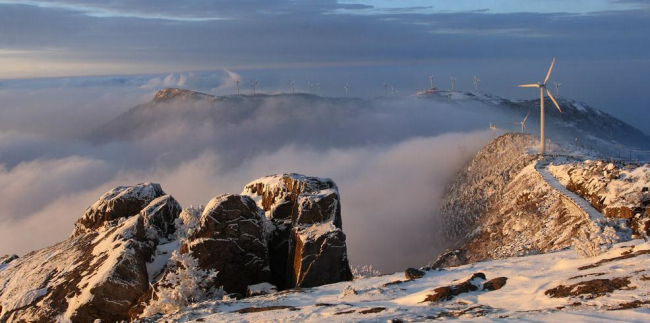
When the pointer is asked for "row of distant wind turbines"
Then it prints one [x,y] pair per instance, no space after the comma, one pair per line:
[541,85]
[386,85]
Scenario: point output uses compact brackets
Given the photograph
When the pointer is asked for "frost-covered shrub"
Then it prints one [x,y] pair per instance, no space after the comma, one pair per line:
[188,221]
[182,286]
[364,272]
[347,291]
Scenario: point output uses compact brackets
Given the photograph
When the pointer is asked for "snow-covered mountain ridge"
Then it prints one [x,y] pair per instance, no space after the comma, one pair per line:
[592,127]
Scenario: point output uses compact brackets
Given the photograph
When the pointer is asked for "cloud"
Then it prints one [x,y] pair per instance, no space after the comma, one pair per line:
[390,158]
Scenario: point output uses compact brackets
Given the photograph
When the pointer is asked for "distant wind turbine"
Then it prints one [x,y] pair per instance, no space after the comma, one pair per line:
[346,89]
[476,80]
[431,82]
[522,123]
[392,91]
[557,89]
[542,87]
[254,85]
[293,86]
[317,88]
[309,87]
[452,82]
[237,87]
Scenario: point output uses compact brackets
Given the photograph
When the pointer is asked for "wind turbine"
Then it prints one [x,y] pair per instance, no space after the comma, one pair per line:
[431,82]
[254,85]
[476,80]
[452,82]
[309,87]
[557,88]
[317,88]
[293,86]
[522,123]
[542,87]
[346,89]
[237,87]
[392,91]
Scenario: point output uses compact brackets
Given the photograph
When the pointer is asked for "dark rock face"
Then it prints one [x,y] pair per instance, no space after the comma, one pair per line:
[161,213]
[231,240]
[98,273]
[6,259]
[308,247]
[446,293]
[495,283]
[412,273]
[318,259]
[121,202]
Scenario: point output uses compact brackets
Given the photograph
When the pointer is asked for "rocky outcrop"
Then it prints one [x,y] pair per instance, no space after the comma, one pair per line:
[120,202]
[501,206]
[171,94]
[482,182]
[98,273]
[308,246]
[231,240]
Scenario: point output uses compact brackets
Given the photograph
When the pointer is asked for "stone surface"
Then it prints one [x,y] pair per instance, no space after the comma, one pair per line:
[412,273]
[309,244]
[120,202]
[98,273]
[230,239]
[495,283]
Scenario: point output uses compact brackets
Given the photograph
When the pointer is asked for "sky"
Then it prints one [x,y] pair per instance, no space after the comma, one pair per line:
[602,46]
[69,66]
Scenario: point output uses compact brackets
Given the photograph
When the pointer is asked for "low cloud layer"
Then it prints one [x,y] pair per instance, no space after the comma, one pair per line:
[390,158]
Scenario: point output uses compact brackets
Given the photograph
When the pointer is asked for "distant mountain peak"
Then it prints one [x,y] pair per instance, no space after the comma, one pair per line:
[170,94]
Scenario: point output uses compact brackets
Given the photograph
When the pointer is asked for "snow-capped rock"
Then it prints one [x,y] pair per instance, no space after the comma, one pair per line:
[120,202]
[98,273]
[230,240]
[308,245]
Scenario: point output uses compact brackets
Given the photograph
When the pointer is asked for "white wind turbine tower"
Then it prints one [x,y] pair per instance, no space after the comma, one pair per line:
[309,87]
[346,89]
[476,80]
[522,123]
[431,82]
[452,82]
[392,91]
[317,88]
[293,86]
[557,88]
[542,87]
[254,85]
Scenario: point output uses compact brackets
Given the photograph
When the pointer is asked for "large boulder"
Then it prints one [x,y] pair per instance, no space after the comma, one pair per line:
[231,240]
[308,247]
[120,202]
[98,273]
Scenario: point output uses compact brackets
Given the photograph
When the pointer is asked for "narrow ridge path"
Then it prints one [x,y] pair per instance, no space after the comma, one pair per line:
[584,205]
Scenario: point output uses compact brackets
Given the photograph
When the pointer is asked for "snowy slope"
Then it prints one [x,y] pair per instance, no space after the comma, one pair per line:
[612,286]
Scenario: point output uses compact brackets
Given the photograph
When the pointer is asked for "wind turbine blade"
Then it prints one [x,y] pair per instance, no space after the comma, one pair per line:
[526,118]
[529,85]
[552,98]
[548,75]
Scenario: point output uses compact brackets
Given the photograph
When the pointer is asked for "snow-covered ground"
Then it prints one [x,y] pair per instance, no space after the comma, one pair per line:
[526,296]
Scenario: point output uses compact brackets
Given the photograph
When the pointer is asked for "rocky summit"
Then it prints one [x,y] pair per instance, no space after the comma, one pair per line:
[135,252]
